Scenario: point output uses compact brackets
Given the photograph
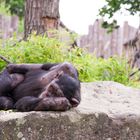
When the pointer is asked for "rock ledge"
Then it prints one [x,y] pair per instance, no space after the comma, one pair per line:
[108,111]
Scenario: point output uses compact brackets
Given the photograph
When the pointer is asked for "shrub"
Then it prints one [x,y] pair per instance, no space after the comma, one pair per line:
[38,49]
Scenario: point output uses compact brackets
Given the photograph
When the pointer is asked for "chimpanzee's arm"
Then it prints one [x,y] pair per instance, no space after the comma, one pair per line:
[23,68]
[30,103]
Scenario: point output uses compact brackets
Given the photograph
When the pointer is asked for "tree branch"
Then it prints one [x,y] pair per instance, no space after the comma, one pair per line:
[5,59]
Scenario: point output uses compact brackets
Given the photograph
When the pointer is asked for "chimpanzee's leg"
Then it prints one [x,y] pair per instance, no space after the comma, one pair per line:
[66,68]
[23,68]
[30,103]
[6,103]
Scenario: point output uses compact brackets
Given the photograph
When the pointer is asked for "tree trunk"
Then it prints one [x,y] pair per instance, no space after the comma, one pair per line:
[41,16]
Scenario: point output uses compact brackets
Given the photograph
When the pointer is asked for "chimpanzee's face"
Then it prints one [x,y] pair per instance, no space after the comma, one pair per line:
[70,88]
[64,86]
[53,89]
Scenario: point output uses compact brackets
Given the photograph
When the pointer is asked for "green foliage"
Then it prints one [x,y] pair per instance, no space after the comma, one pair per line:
[14,6]
[4,10]
[39,49]
[21,26]
[110,26]
[135,79]
[113,6]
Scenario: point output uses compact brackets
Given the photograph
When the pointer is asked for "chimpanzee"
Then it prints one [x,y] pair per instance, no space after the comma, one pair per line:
[39,87]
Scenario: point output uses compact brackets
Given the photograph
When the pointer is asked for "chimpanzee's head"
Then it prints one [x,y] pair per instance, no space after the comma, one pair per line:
[65,86]
[70,88]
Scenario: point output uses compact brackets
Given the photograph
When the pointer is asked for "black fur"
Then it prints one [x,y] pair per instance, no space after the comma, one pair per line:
[5,83]
[33,93]
[6,103]
[31,85]
[68,85]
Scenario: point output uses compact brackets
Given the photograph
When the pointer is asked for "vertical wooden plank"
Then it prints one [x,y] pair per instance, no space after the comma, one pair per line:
[96,35]
[100,39]
[7,27]
[90,38]
[125,32]
[0,26]
[14,23]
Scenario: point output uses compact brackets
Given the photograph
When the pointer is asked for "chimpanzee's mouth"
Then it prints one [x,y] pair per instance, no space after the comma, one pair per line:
[74,102]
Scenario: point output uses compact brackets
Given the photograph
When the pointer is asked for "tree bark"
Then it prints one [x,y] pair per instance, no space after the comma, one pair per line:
[41,16]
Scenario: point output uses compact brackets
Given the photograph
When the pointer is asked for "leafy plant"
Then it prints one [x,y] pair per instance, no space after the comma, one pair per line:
[113,6]
[14,6]
[3,9]
[40,49]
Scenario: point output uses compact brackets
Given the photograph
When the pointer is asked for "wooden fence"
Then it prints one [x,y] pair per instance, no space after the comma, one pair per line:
[8,25]
[106,45]
[97,40]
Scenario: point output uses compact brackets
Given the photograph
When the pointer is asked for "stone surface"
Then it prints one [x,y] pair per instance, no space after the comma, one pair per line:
[108,111]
